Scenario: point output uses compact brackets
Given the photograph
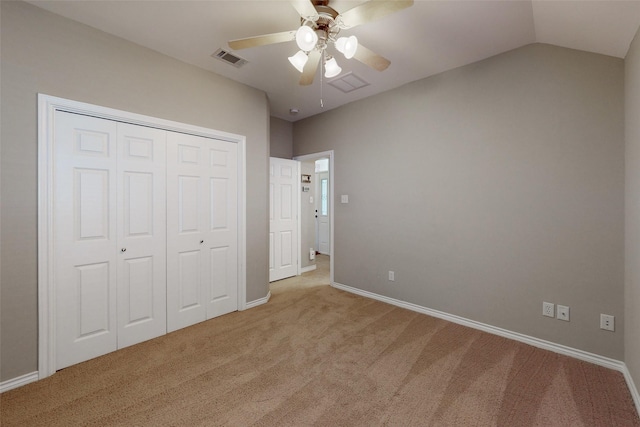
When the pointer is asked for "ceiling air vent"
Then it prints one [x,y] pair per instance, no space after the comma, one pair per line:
[348,82]
[229,58]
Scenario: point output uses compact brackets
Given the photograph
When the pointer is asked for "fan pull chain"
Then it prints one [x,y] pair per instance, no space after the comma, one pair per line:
[321,79]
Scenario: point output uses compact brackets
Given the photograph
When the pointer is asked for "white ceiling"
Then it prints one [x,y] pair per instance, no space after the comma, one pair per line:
[424,39]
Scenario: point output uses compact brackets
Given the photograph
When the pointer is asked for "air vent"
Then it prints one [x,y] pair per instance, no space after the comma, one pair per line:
[229,58]
[348,82]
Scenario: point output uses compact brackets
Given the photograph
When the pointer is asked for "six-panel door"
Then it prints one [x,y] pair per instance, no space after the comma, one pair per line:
[283,218]
[85,248]
[202,229]
[141,225]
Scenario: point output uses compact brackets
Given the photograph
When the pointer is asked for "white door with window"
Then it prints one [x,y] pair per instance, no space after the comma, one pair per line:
[284,187]
[323,234]
[202,229]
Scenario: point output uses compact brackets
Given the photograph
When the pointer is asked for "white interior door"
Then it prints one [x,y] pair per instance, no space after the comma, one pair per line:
[284,185]
[141,234]
[110,244]
[105,220]
[85,245]
[322,206]
[201,229]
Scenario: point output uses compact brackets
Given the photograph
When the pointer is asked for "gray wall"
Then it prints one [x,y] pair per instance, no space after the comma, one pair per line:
[42,52]
[502,187]
[632,217]
[308,214]
[281,138]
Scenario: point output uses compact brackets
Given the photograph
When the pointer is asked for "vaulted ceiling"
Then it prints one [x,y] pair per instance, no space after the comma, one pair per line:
[422,40]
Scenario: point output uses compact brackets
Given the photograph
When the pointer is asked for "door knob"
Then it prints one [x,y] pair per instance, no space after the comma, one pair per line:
[123,250]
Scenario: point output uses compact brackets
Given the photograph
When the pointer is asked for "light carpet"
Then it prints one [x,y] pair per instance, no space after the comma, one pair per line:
[315,355]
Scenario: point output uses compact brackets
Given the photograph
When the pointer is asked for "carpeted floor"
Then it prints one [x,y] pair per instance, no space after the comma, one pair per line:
[315,355]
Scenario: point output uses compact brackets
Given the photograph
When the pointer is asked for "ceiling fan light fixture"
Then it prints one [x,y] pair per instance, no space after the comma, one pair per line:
[306,38]
[299,60]
[331,68]
[347,46]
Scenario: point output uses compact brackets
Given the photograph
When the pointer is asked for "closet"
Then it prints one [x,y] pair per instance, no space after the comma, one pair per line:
[145,233]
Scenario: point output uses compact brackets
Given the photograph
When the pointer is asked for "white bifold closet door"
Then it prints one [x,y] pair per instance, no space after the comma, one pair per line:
[110,237]
[202,229]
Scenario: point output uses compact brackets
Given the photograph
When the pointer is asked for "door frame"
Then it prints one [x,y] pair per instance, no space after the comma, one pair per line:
[314,156]
[47,107]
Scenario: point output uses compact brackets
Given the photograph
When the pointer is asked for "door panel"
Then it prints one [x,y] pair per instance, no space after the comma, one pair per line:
[189,280]
[219,258]
[185,209]
[94,313]
[92,203]
[286,249]
[188,205]
[138,204]
[202,224]
[141,234]
[222,235]
[84,255]
[283,233]
[138,283]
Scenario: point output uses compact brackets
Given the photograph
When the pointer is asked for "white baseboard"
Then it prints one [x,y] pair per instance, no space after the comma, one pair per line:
[257,302]
[632,388]
[308,269]
[18,381]
[536,342]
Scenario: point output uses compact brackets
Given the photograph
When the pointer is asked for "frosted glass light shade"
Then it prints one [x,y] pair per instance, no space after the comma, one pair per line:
[299,60]
[306,38]
[347,45]
[331,68]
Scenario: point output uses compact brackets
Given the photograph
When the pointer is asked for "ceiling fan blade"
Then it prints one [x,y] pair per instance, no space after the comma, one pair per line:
[305,9]
[372,11]
[285,36]
[310,68]
[372,59]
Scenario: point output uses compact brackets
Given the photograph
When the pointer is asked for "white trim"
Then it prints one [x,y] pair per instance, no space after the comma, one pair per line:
[18,381]
[632,387]
[242,224]
[47,106]
[536,342]
[330,155]
[259,301]
[299,218]
[308,268]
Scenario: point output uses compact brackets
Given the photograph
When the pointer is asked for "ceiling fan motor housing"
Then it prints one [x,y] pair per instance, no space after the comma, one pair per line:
[326,26]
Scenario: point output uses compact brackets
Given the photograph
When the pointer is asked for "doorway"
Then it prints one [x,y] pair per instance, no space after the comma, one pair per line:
[317,212]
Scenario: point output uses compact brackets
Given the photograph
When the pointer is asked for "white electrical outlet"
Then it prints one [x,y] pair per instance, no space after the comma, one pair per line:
[392,276]
[562,312]
[548,309]
[607,322]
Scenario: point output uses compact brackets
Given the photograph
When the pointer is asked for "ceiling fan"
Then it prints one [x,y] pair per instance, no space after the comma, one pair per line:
[320,26]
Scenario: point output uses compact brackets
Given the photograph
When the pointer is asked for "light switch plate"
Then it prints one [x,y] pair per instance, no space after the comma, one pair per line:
[344,198]
[607,322]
